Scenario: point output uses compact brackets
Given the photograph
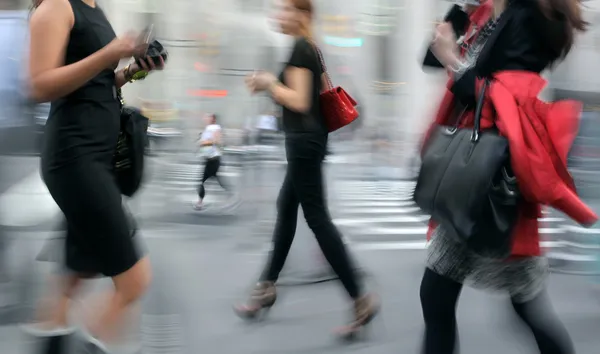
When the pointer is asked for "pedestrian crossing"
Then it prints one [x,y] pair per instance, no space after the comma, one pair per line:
[185,177]
[384,211]
[375,211]
[175,185]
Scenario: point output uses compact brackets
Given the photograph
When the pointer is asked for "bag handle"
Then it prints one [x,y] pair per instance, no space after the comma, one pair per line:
[477,121]
[323,66]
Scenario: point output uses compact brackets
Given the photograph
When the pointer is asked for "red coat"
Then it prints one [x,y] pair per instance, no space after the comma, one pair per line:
[540,135]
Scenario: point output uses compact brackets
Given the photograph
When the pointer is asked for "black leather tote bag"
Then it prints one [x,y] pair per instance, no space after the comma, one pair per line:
[465,183]
[130,153]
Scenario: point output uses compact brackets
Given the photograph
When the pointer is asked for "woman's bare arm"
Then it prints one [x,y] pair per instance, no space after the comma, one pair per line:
[50,79]
[120,79]
[296,95]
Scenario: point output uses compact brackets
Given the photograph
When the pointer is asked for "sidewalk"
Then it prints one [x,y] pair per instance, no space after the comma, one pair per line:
[188,309]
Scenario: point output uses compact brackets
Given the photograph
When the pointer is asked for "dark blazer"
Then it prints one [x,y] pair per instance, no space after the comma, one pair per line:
[523,40]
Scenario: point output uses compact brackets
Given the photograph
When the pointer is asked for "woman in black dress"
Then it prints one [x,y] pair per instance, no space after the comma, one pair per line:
[297,90]
[73,57]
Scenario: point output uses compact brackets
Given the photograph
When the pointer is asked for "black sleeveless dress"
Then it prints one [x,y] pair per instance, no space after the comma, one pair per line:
[80,141]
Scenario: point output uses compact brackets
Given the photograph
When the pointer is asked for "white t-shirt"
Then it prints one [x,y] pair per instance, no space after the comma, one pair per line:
[209,134]
[267,122]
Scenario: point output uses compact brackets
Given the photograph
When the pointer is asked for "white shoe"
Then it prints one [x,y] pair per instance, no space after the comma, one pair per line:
[38,330]
[92,345]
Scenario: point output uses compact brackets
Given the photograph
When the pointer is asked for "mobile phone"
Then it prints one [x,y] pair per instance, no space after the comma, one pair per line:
[146,36]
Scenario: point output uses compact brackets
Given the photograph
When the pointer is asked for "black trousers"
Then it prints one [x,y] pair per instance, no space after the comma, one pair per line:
[439,296]
[211,169]
[303,185]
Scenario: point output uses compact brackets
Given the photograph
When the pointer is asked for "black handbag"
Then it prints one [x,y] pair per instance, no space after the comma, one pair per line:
[467,186]
[131,146]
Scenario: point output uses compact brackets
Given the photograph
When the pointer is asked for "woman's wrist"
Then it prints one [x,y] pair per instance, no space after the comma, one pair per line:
[453,63]
[133,72]
[272,85]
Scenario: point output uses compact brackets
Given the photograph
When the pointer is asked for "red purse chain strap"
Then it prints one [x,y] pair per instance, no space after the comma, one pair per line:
[323,66]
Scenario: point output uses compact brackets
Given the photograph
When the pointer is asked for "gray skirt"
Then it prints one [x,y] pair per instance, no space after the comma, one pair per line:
[522,278]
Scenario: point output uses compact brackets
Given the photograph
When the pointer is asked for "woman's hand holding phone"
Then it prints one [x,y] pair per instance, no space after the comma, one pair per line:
[148,64]
[143,60]
[124,47]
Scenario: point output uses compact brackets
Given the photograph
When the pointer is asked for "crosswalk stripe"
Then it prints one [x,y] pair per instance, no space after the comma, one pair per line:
[392,219]
[414,245]
[378,211]
[375,203]
[367,211]
[365,198]
[399,230]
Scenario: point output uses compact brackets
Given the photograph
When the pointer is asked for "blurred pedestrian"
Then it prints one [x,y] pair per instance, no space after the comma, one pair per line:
[210,143]
[297,90]
[519,39]
[74,55]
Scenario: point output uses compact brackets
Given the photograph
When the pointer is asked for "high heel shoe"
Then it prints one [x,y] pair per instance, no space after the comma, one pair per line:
[365,309]
[261,300]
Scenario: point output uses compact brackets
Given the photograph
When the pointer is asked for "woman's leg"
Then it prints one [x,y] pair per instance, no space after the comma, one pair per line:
[129,288]
[58,311]
[52,318]
[210,170]
[264,294]
[285,230]
[219,179]
[307,178]
[439,296]
[549,333]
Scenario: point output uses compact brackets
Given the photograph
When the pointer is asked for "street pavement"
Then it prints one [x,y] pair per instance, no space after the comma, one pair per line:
[200,271]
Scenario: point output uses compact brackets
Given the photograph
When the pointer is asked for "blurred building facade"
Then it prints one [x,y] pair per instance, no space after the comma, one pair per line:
[373,49]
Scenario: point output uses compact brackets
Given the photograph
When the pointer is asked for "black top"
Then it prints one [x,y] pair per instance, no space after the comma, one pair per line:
[304,55]
[84,124]
[522,40]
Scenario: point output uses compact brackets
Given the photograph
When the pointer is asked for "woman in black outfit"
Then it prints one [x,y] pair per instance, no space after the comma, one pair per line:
[74,55]
[297,90]
[521,36]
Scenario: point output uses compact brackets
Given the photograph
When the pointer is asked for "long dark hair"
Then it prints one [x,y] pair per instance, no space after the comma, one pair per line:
[565,17]
[35,4]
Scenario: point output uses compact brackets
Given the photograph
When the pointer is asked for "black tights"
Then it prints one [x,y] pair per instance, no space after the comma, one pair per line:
[303,185]
[439,296]
[211,168]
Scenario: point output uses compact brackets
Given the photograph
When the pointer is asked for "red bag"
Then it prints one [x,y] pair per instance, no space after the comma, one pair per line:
[337,106]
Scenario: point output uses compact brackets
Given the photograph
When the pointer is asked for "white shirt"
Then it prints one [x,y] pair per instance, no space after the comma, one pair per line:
[267,122]
[209,134]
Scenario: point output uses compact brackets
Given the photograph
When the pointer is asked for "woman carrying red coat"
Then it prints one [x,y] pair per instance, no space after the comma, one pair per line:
[519,39]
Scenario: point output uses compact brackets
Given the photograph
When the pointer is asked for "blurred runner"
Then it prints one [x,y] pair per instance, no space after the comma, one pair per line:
[211,146]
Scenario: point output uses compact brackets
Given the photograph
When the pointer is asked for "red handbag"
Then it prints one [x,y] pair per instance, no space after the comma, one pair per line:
[337,106]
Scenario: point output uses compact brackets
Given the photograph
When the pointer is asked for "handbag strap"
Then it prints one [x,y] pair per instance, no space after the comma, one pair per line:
[478,109]
[323,66]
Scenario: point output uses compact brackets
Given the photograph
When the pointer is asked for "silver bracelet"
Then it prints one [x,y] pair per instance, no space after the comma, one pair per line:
[459,69]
